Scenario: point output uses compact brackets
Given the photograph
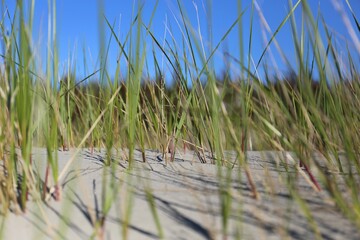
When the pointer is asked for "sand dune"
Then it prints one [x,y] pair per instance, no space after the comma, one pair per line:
[186,194]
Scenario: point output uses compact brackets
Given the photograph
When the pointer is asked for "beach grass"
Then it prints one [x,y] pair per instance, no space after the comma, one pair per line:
[294,111]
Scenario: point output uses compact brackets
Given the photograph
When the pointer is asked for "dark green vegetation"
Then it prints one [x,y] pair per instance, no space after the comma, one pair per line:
[293,113]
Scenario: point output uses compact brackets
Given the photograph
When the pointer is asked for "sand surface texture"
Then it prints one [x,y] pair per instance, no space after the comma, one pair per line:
[186,195]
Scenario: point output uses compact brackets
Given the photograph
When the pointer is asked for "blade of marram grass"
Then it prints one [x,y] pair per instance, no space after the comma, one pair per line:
[88,133]
[353,15]
[153,208]
[291,12]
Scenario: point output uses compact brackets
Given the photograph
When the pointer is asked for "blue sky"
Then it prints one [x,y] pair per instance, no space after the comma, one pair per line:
[78,29]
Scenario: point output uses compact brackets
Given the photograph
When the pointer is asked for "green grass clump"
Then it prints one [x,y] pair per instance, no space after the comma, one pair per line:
[295,113]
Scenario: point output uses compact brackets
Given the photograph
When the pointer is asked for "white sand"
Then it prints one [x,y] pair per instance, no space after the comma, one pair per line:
[186,194]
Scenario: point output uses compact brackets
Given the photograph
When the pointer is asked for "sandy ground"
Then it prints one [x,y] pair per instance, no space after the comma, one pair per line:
[186,194]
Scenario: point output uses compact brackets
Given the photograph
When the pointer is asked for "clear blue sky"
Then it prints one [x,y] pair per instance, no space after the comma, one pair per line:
[78,29]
